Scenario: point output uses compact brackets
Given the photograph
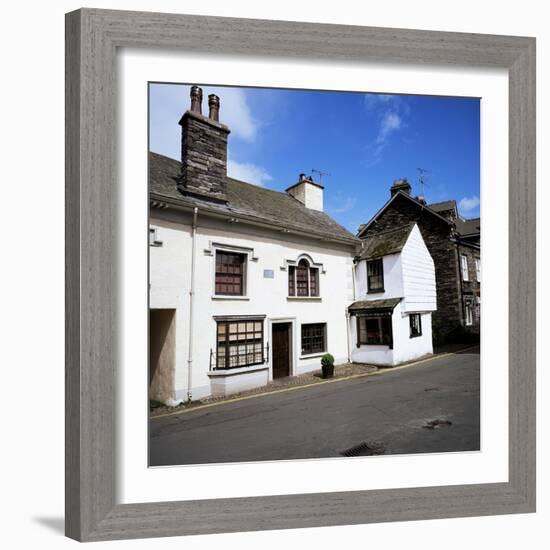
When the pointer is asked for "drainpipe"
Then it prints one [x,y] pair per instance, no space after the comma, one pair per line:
[191,306]
[348,335]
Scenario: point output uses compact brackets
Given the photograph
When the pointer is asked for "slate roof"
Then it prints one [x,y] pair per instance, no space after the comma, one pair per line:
[442,206]
[468,227]
[247,202]
[386,242]
[374,306]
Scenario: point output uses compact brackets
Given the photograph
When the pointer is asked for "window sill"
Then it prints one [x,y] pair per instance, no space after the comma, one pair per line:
[304,299]
[415,335]
[377,291]
[237,370]
[229,297]
[374,345]
[312,355]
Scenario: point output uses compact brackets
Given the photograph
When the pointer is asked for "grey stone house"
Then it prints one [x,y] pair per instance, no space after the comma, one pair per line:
[454,244]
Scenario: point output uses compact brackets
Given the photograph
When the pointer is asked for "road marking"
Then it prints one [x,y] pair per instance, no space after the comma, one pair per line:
[383,370]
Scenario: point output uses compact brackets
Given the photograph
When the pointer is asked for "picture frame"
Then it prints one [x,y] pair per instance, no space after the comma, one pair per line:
[92,39]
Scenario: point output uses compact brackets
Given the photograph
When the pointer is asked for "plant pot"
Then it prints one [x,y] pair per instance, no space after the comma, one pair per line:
[328,371]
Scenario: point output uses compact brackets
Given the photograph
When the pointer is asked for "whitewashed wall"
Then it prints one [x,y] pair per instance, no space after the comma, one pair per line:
[170,282]
[404,349]
[409,275]
[393,279]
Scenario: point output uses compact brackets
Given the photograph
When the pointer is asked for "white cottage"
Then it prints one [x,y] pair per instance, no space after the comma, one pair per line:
[391,321]
[246,284]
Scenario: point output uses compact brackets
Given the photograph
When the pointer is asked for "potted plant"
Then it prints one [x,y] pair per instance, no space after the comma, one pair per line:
[327,365]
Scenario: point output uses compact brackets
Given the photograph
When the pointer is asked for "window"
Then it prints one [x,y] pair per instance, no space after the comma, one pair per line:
[464,268]
[375,276]
[230,273]
[239,343]
[468,315]
[373,331]
[415,323]
[303,280]
[153,237]
[314,338]
[478,270]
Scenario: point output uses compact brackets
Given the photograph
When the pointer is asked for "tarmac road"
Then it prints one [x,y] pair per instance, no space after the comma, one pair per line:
[327,419]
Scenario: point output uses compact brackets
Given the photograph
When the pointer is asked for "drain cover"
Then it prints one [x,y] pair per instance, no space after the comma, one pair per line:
[365,449]
[437,423]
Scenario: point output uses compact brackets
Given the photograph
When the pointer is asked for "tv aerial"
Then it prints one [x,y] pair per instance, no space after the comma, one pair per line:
[321,174]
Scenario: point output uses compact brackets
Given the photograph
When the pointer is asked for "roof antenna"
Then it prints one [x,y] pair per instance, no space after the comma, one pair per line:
[422,179]
[321,174]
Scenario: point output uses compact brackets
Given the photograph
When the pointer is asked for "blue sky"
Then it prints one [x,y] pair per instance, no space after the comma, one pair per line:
[365,141]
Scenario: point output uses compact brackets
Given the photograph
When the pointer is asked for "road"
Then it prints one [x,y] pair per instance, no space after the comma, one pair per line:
[325,420]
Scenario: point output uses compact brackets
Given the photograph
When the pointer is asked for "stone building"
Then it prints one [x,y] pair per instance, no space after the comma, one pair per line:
[454,244]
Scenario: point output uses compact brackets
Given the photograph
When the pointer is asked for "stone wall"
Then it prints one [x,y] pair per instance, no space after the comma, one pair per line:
[204,156]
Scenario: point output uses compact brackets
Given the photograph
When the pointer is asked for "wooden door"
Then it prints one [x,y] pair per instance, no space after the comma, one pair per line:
[281,349]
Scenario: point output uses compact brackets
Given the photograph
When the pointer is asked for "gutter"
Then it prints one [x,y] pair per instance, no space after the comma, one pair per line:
[191,307]
[174,203]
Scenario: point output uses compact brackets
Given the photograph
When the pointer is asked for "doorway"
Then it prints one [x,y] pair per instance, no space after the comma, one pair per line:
[162,353]
[281,341]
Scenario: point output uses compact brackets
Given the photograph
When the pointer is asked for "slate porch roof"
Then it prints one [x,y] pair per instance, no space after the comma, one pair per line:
[374,306]
[247,202]
[386,242]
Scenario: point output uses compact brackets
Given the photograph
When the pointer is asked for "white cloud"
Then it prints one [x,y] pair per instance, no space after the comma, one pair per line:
[391,121]
[235,112]
[467,204]
[246,171]
[342,204]
[390,113]
[372,101]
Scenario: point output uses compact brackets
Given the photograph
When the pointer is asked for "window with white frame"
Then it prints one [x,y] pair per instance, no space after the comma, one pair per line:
[415,325]
[303,279]
[464,267]
[375,275]
[314,338]
[240,343]
[373,331]
[468,314]
[230,273]
[153,237]
[478,270]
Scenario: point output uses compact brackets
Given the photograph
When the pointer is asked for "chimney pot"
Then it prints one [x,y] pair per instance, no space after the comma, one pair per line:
[196,99]
[214,107]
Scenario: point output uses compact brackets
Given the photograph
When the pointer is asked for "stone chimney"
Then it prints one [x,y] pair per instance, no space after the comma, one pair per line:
[308,192]
[203,150]
[401,185]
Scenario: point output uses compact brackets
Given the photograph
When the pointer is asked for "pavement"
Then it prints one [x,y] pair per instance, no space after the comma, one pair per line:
[388,410]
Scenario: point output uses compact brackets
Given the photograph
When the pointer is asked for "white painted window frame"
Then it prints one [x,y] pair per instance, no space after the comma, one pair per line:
[464,267]
[248,253]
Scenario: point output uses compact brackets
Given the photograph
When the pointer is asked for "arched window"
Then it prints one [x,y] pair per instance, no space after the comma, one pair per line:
[303,280]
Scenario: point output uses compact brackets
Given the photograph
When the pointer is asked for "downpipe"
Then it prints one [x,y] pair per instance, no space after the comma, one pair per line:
[191,307]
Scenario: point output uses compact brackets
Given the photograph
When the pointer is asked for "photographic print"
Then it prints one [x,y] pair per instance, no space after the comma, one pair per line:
[314,274]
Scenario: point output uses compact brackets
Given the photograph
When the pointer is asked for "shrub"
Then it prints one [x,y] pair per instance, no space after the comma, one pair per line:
[327,360]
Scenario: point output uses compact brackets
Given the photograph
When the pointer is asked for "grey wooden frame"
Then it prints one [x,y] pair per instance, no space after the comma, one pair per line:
[92,39]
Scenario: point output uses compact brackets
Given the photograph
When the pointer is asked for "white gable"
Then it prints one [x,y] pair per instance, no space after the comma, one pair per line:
[419,288]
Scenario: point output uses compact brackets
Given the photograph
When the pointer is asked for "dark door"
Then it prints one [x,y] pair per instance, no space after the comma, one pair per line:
[281,349]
